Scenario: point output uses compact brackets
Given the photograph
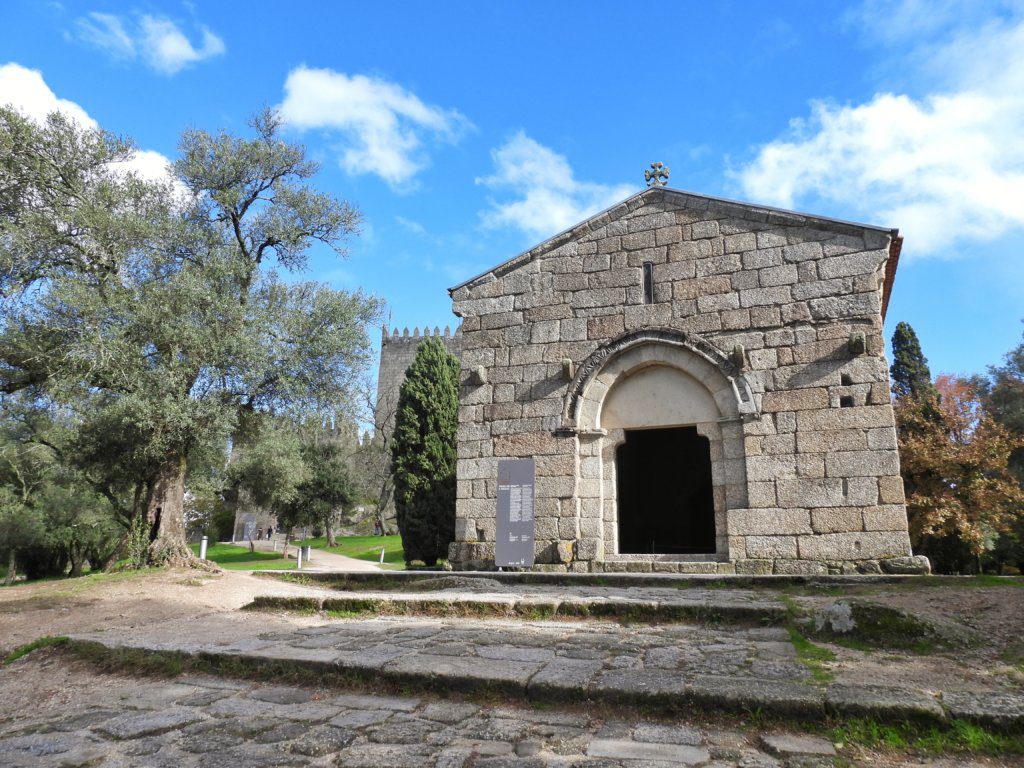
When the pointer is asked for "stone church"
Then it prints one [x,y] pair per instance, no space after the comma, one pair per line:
[703,387]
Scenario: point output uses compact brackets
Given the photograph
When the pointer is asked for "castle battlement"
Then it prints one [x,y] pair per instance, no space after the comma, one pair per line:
[414,338]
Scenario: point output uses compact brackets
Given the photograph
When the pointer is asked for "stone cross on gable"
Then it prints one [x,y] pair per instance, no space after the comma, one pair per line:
[657,176]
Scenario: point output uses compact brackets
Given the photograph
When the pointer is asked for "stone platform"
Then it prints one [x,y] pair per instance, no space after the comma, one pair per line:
[492,599]
[669,667]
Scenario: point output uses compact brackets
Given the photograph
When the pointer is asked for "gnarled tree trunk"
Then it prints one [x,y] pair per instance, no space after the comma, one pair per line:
[165,515]
[329,530]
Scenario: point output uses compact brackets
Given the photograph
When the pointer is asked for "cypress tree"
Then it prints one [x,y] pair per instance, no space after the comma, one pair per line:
[909,369]
[423,453]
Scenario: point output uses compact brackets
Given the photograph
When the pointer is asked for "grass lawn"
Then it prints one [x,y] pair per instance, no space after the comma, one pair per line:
[233,558]
[365,548]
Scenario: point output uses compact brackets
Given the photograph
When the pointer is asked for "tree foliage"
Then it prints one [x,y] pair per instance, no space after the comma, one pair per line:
[51,518]
[960,493]
[324,494]
[1004,399]
[423,453]
[909,370]
[155,312]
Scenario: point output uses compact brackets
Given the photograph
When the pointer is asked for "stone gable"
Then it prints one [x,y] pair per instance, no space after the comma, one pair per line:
[770,320]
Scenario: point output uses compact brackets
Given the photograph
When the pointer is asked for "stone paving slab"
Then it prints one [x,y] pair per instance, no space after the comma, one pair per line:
[676,667]
[165,725]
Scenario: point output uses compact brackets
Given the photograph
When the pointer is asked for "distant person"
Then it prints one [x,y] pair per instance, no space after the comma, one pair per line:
[377,530]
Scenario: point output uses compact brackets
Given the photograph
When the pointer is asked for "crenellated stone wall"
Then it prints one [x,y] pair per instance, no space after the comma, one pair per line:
[396,355]
[777,316]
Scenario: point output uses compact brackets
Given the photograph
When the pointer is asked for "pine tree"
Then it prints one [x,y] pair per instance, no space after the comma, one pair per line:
[423,453]
[1005,390]
[909,370]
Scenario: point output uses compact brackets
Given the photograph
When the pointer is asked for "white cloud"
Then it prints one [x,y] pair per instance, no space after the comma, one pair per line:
[106,32]
[168,50]
[547,198]
[157,41]
[945,167]
[413,226]
[382,126]
[152,166]
[25,90]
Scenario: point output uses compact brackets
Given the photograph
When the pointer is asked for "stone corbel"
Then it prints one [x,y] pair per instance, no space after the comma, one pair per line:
[568,369]
[738,357]
[857,343]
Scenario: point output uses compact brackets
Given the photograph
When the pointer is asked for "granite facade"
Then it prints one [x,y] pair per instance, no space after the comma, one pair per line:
[770,323]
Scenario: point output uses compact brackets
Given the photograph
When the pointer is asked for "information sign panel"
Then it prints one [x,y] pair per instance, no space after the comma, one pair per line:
[514,530]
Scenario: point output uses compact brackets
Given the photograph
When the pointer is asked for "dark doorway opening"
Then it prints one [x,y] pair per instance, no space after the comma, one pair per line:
[666,502]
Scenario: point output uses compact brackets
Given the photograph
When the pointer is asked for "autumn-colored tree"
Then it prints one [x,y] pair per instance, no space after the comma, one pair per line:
[960,494]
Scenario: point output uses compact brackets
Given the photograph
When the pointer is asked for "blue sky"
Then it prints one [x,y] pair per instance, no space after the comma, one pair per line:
[467,132]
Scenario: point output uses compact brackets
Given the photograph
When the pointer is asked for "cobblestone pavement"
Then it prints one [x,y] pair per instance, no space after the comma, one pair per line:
[90,719]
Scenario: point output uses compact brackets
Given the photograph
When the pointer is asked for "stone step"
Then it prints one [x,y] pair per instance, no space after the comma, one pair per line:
[415,580]
[711,607]
[671,667]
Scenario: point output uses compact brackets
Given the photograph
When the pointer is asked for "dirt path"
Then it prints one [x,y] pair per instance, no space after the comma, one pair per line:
[329,561]
[322,560]
[125,600]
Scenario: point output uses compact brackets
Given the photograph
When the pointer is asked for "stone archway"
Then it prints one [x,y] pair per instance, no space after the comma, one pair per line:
[649,380]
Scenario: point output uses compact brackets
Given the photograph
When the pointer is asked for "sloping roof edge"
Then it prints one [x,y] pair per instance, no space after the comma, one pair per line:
[895,247]
[631,203]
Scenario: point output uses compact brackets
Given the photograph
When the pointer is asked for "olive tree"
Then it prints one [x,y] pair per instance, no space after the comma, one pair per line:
[158,309]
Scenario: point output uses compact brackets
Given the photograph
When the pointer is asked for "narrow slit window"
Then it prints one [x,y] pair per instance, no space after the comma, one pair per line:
[648,282]
[845,379]
[846,401]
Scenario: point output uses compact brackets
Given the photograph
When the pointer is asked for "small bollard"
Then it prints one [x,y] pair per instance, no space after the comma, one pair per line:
[382,555]
[306,554]
[202,548]
[298,558]
[275,545]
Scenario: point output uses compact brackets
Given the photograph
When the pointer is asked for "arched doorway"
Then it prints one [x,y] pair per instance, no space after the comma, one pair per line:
[665,501]
[659,419]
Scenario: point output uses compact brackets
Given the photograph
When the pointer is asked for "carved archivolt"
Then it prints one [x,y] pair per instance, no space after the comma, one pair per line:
[590,368]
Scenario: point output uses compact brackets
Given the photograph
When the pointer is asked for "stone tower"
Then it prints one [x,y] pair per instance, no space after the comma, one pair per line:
[396,355]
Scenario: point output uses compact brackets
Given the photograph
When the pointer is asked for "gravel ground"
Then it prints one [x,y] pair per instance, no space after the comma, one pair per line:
[124,601]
